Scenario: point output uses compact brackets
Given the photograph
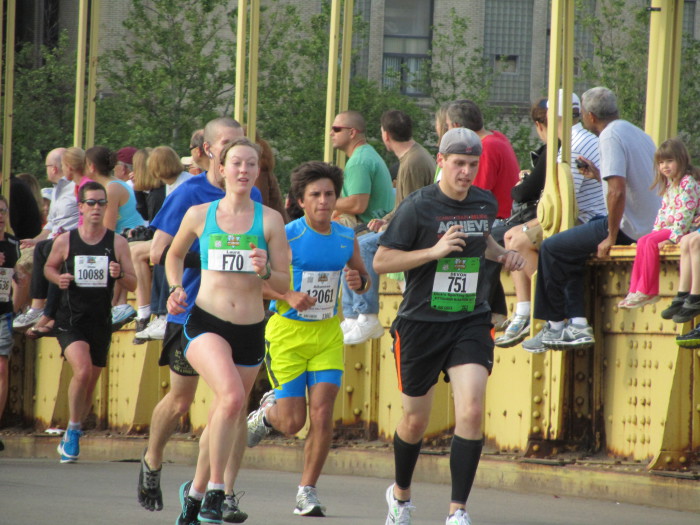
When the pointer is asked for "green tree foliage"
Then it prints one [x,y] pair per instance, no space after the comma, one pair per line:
[43,105]
[171,72]
[292,90]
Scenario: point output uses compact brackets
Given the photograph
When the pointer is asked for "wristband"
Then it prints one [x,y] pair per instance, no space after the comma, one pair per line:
[173,288]
[364,283]
[121,275]
[267,274]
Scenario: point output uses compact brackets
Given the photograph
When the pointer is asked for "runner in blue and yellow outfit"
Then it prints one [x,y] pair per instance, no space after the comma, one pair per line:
[304,340]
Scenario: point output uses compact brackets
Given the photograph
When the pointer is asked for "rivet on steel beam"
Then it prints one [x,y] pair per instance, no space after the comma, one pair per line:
[535,448]
[643,439]
[536,430]
[580,400]
[358,366]
[682,460]
[636,361]
[605,363]
[357,411]
[656,364]
[498,358]
[537,374]
[520,413]
[670,365]
[505,413]
[622,327]
[608,326]
[635,381]
[668,460]
[580,376]
[512,359]
[537,400]
[617,363]
[349,389]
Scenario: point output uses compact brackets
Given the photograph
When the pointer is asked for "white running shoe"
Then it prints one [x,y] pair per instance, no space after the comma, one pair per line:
[257,429]
[459,518]
[27,319]
[154,331]
[399,514]
[308,503]
[362,331]
[347,324]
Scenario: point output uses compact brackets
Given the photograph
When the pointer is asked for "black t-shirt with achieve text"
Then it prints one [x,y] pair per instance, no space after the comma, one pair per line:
[448,289]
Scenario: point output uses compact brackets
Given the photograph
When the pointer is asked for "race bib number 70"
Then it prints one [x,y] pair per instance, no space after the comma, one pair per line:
[454,287]
[231,252]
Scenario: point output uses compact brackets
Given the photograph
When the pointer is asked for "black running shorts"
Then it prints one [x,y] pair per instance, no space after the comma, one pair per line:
[247,341]
[424,349]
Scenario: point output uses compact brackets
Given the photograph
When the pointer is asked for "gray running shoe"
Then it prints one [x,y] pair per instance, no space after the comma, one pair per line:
[148,492]
[308,503]
[257,429]
[535,345]
[399,514]
[230,510]
[517,330]
[687,312]
[570,338]
[27,319]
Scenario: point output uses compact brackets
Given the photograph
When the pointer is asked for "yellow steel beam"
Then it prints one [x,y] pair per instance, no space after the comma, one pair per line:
[253,68]
[9,99]
[345,64]
[238,109]
[665,38]
[92,73]
[332,85]
[80,75]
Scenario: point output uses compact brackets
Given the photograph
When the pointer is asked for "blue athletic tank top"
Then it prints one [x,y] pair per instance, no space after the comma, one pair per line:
[229,250]
[317,266]
[128,217]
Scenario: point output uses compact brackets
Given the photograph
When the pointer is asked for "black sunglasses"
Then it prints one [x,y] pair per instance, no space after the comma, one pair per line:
[338,129]
[94,202]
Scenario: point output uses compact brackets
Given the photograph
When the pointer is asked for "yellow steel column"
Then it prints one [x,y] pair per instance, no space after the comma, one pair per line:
[332,86]
[253,68]
[238,109]
[345,63]
[92,73]
[9,99]
[80,75]
[665,38]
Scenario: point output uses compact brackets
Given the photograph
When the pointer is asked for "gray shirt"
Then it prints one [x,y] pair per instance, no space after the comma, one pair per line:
[63,212]
[626,151]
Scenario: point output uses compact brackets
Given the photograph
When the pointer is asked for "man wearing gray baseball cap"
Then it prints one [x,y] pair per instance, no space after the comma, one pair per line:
[439,237]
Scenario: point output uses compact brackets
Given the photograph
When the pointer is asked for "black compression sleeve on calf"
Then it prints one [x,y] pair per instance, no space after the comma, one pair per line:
[464,460]
[405,459]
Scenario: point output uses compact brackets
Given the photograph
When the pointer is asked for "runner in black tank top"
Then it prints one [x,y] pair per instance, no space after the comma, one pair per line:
[84,264]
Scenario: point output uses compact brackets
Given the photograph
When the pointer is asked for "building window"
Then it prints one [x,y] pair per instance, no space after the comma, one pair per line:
[689,18]
[508,48]
[407,37]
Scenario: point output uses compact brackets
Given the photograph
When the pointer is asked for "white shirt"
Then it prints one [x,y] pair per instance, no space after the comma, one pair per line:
[63,212]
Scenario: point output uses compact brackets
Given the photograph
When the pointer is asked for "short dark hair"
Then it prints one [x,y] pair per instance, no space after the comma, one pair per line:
[311,171]
[466,114]
[102,158]
[397,124]
[197,140]
[538,111]
[90,186]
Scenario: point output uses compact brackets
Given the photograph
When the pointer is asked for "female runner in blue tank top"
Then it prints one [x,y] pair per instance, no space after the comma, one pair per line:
[243,244]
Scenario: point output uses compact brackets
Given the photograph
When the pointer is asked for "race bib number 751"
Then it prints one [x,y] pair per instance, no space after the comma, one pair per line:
[454,287]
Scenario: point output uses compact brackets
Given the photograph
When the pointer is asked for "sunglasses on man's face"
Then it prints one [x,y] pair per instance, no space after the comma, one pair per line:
[95,202]
[338,129]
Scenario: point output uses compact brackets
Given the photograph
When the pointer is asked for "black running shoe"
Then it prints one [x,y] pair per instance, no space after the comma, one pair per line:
[230,511]
[687,312]
[148,492]
[141,324]
[673,308]
[210,512]
[190,506]
[689,340]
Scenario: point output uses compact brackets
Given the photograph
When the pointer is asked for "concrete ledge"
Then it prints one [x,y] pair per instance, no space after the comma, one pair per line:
[627,484]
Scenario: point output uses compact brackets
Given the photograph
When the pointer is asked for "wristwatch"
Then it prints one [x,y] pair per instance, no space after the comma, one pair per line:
[173,288]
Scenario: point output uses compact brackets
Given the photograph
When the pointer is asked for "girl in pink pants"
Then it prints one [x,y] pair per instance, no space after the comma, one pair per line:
[677,181]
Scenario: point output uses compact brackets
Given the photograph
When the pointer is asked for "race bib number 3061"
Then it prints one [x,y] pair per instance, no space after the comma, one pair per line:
[231,252]
[322,286]
[454,287]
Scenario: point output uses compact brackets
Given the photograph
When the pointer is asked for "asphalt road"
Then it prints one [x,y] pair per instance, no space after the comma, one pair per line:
[41,491]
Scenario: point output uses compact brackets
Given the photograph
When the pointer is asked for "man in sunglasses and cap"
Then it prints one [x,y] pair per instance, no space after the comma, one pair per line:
[84,264]
[439,237]
[367,194]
